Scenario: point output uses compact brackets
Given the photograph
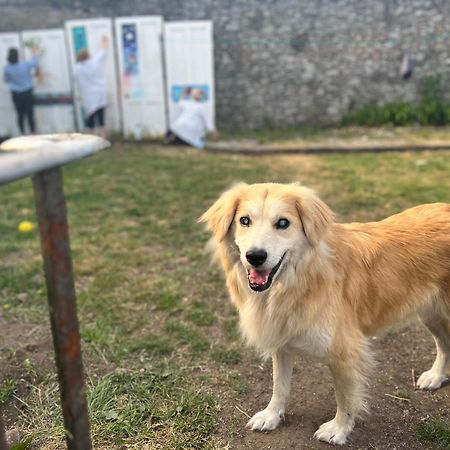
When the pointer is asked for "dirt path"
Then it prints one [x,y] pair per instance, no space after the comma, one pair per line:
[390,425]
[21,343]
[339,140]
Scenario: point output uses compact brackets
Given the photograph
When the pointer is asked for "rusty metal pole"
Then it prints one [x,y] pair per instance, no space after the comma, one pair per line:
[3,445]
[53,227]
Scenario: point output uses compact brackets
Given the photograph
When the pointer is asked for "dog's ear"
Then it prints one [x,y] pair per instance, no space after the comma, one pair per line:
[220,215]
[314,214]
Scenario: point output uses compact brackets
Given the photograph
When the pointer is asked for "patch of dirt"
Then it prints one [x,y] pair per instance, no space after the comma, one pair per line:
[340,140]
[21,342]
[390,424]
[27,357]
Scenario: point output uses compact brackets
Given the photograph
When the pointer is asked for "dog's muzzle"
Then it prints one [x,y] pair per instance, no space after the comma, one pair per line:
[261,279]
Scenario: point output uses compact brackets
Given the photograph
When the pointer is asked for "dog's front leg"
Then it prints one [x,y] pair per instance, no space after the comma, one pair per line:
[270,418]
[350,381]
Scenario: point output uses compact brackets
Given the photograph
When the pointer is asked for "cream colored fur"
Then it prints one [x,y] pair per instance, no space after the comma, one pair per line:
[337,285]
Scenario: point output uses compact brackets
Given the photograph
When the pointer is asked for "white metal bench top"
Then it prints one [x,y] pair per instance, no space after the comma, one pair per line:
[27,155]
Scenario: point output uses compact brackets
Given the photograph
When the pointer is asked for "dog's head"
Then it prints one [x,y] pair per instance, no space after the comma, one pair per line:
[270,224]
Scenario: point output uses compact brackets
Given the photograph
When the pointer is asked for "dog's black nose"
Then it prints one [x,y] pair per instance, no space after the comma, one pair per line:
[256,257]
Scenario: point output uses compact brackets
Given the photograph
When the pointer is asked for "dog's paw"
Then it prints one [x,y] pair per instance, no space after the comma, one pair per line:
[265,420]
[333,432]
[430,380]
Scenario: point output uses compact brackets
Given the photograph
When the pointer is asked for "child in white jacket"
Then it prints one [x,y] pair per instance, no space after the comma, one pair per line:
[193,124]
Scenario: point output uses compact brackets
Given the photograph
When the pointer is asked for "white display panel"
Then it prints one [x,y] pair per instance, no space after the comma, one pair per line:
[188,51]
[53,99]
[8,118]
[87,34]
[139,50]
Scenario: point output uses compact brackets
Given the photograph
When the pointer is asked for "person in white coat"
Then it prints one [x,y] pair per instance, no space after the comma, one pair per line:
[193,124]
[92,84]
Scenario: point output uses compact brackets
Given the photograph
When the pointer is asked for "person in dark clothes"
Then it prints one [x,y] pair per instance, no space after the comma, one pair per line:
[18,75]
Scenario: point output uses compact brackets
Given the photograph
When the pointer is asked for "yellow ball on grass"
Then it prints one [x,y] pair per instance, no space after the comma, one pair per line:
[25,226]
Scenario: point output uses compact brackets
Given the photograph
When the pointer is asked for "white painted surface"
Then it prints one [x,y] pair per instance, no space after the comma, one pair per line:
[32,154]
[91,31]
[8,118]
[140,67]
[54,111]
[188,51]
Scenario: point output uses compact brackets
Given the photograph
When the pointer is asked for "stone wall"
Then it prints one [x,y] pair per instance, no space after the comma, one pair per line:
[289,61]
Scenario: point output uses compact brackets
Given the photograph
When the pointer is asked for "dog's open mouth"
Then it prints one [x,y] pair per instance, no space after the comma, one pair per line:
[260,280]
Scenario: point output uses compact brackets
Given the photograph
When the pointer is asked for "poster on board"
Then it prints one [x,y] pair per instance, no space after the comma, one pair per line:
[53,100]
[86,34]
[8,118]
[188,53]
[142,94]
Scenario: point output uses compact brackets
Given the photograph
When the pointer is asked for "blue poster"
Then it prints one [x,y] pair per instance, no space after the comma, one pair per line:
[79,39]
[178,89]
[129,42]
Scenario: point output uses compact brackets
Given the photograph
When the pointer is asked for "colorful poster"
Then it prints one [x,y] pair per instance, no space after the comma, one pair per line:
[130,76]
[139,51]
[52,84]
[178,89]
[130,50]
[79,39]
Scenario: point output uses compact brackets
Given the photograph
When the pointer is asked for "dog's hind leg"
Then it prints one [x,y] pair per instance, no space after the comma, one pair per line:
[350,371]
[270,418]
[439,327]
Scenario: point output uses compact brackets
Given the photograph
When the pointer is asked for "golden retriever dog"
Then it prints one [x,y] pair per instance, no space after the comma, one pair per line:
[304,283]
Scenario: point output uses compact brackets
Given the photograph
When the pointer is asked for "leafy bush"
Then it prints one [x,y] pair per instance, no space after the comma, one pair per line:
[433,113]
[432,88]
[432,109]
[398,113]
[369,114]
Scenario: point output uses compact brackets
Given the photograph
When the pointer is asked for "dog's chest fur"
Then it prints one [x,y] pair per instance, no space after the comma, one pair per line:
[269,327]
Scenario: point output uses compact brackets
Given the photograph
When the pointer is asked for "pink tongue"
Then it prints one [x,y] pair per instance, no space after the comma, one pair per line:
[258,276]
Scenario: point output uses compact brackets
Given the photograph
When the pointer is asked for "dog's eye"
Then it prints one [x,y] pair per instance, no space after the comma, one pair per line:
[282,224]
[245,221]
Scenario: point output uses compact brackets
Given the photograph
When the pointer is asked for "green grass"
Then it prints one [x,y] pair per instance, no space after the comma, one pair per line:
[272,134]
[186,335]
[370,187]
[159,333]
[200,315]
[402,394]
[236,383]
[231,329]
[166,299]
[226,356]
[303,134]
[131,407]
[435,432]
[151,344]
[24,444]
[6,389]
[145,406]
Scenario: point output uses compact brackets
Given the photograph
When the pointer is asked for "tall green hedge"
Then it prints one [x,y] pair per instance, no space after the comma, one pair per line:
[431,110]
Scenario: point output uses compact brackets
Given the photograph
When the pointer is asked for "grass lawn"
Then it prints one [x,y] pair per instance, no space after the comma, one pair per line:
[350,134]
[160,340]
